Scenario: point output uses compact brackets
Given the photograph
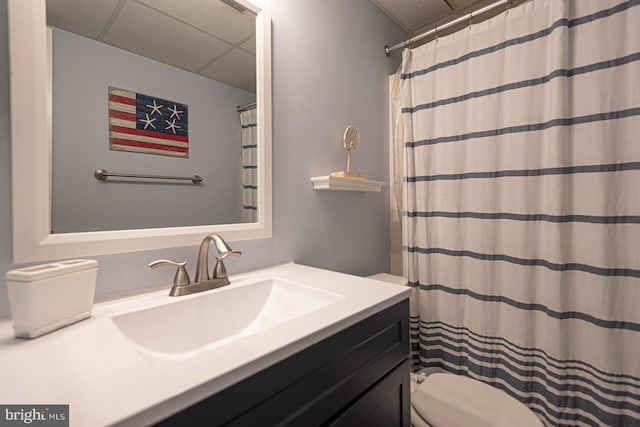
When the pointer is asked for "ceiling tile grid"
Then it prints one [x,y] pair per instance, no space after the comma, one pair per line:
[188,35]
[149,33]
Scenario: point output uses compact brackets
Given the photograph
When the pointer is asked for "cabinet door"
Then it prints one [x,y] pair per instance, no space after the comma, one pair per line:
[387,404]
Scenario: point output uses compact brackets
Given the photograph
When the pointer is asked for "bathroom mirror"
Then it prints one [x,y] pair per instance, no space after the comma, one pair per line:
[184,67]
[31,153]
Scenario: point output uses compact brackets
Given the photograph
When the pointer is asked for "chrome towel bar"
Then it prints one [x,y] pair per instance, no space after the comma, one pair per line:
[102,175]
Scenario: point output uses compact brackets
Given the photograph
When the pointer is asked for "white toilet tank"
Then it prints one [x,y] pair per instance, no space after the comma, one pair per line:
[389,278]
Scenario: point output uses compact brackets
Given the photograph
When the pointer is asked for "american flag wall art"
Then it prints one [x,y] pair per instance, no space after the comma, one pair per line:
[147,124]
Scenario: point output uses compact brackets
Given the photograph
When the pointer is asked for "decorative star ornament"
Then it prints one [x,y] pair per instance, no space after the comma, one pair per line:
[175,112]
[172,125]
[155,108]
[148,122]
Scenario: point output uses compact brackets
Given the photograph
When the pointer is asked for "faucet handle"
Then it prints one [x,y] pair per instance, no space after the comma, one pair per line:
[219,270]
[181,278]
[223,255]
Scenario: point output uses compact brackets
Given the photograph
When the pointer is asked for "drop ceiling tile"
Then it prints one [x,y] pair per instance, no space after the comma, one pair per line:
[212,16]
[236,68]
[250,45]
[413,14]
[147,32]
[84,17]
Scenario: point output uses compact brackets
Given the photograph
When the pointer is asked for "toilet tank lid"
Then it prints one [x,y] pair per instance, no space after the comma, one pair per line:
[456,400]
[390,278]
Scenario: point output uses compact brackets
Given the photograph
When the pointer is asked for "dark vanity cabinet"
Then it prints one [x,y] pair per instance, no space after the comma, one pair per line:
[356,377]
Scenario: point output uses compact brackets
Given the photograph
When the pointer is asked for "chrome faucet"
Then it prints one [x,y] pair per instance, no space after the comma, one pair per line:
[203,281]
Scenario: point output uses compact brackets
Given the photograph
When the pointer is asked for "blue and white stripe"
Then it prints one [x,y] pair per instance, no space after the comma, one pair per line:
[561,392]
[248,141]
[521,213]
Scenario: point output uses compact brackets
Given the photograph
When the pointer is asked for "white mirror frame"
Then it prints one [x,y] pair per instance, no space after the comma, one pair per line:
[31,153]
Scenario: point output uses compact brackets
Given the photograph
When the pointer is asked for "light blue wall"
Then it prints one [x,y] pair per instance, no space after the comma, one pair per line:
[329,71]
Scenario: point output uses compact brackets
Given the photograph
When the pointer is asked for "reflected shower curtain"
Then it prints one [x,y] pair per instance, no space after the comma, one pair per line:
[520,140]
[248,140]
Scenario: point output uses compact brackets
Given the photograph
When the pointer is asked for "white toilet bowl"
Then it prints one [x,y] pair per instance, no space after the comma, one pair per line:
[448,400]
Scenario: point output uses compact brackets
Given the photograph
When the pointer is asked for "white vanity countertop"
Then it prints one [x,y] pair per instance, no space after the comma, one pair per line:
[106,380]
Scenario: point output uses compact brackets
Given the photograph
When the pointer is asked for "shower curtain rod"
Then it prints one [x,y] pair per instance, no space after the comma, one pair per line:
[436,30]
[249,106]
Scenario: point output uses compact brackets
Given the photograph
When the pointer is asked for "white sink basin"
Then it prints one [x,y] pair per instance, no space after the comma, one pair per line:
[214,318]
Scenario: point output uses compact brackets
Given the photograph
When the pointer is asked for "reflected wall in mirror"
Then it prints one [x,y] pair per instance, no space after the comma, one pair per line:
[197,53]
[82,71]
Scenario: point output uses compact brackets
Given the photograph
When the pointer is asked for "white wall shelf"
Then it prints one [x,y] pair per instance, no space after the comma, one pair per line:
[336,183]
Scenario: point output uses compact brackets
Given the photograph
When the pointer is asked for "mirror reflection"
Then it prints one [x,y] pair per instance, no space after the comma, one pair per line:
[152,87]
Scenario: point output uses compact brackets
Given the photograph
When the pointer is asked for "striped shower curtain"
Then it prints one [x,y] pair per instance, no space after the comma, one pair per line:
[248,140]
[520,140]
